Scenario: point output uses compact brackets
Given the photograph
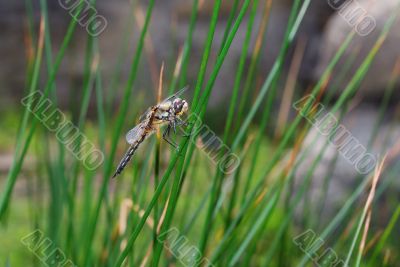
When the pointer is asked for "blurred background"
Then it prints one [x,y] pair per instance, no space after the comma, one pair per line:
[40,192]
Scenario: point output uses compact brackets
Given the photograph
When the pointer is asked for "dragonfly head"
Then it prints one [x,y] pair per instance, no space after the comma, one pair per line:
[180,106]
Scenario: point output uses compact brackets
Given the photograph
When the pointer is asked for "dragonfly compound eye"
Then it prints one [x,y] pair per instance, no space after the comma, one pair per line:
[178,104]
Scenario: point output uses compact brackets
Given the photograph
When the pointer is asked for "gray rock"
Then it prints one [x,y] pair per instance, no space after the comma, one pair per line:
[338,28]
[168,31]
[344,177]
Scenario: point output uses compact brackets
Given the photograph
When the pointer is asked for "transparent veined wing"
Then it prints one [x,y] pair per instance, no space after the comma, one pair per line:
[175,95]
[136,133]
[146,114]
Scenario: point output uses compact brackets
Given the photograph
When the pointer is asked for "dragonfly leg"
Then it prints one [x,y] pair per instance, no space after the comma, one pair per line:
[180,122]
[167,139]
[174,126]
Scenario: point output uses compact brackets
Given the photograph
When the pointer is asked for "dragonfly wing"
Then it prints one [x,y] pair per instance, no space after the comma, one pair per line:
[133,135]
[175,95]
[146,114]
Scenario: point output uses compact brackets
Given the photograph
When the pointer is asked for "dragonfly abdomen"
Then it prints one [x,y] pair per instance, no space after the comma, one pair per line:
[127,157]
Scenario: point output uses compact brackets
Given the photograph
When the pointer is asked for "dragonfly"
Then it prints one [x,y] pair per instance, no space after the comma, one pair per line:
[167,112]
